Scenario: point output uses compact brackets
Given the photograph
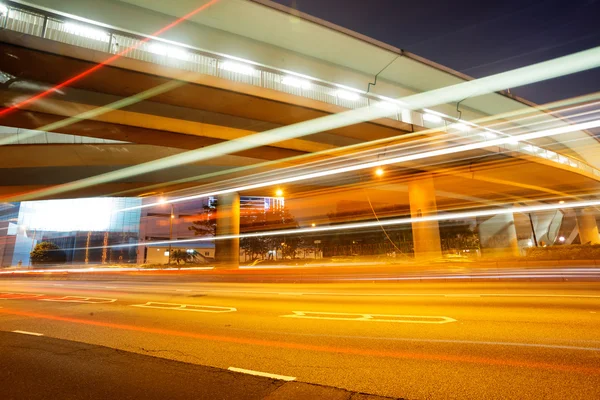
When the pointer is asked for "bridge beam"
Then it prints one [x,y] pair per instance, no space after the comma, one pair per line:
[426,235]
[227,251]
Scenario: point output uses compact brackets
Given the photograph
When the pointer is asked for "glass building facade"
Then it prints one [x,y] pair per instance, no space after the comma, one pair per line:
[81,227]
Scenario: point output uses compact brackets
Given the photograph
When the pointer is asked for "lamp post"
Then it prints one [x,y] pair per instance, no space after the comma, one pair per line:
[163,200]
[172,216]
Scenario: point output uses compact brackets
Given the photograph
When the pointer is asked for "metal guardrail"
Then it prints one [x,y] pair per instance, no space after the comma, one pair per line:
[28,20]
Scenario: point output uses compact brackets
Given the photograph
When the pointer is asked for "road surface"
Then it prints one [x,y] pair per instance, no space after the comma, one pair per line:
[426,340]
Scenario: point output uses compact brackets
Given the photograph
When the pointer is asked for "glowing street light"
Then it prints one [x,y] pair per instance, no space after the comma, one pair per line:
[313,224]
[85,31]
[279,193]
[295,82]
[561,239]
[237,68]
[379,172]
[346,95]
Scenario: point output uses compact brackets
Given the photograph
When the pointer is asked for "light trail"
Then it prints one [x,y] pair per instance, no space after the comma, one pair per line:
[105,62]
[272,344]
[346,149]
[369,224]
[577,62]
[165,87]
[374,164]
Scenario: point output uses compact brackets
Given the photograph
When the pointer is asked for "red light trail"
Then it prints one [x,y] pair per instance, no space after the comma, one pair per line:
[317,348]
[105,62]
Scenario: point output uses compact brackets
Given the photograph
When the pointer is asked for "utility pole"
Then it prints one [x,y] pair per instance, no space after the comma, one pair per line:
[172,216]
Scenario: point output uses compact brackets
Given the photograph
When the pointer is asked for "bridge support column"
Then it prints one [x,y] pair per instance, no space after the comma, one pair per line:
[227,251]
[587,225]
[498,235]
[426,235]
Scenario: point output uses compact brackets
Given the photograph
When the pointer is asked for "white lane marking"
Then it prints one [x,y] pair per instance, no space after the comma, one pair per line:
[17,296]
[408,319]
[183,290]
[185,307]
[79,299]
[29,333]
[265,374]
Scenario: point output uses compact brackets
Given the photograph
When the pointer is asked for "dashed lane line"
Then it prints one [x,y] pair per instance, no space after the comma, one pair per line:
[265,374]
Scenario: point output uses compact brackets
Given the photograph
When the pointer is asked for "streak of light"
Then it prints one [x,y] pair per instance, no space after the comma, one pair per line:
[394,160]
[165,87]
[107,61]
[563,103]
[573,63]
[371,224]
[310,347]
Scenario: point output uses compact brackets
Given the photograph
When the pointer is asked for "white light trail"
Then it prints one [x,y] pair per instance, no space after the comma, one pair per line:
[376,224]
[570,64]
[394,160]
[95,112]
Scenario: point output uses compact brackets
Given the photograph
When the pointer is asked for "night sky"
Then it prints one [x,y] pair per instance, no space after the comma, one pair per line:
[478,38]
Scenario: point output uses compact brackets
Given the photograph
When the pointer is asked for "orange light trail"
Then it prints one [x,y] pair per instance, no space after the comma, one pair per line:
[317,348]
[105,62]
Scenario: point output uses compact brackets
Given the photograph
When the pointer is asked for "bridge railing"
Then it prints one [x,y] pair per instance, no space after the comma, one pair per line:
[41,23]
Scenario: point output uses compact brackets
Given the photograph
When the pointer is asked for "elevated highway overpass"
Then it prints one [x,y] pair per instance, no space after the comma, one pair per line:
[238,79]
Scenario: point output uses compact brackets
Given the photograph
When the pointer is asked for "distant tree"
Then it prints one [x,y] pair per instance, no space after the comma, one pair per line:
[458,234]
[256,221]
[256,247]
[47,253]
[180,256]
[206,224]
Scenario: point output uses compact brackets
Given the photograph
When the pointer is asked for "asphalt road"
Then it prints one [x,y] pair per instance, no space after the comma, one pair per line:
[467,340]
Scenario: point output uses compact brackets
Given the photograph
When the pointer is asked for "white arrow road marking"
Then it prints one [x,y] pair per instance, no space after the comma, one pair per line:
[78,299]
[185,307]
[266,374]
[29,333]
[408,319]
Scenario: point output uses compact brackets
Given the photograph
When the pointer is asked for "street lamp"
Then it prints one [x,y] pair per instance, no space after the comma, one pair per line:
[379,171]
[162,200]
[170,232]
[279,193]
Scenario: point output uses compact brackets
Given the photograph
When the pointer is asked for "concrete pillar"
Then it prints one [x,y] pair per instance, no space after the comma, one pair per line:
[227,251]
[587,226]
[498,235]
[426,235]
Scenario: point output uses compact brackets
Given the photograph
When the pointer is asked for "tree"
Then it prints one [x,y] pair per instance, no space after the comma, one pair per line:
[47,253]
[458,234]
[206,225]
[256,220]
[179,255]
